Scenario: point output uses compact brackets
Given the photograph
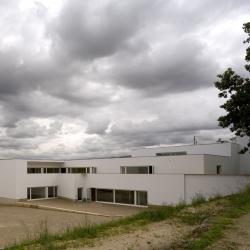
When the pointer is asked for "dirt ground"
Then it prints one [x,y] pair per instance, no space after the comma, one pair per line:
[154,236]
[238,237]
[17,223]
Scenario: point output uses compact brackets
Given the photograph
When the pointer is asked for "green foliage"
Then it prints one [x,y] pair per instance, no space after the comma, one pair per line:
[236,90]
[198,199]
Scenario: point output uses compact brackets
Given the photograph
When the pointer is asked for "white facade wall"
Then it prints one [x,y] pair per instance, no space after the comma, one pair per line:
[228,165]
[223,149]
[68,184]
[182,164]
[213,185]
[162,189]
[8,179]
[244,158]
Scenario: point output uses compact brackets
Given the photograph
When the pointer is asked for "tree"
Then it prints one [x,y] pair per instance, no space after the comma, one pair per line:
[236,90]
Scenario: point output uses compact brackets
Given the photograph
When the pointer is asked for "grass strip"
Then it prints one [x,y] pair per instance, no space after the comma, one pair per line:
[213,229]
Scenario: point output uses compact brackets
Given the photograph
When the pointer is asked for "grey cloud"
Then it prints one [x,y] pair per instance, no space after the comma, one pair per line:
[180,67]
[30,129]
[97,63]
[88,31]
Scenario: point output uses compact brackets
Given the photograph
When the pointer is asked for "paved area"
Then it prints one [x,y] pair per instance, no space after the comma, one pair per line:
[18,223]
[92,207]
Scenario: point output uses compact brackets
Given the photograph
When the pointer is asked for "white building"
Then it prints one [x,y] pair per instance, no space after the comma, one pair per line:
[156,176]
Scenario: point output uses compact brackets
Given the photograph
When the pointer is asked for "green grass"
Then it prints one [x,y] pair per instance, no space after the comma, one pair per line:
[211,219]
[234,206]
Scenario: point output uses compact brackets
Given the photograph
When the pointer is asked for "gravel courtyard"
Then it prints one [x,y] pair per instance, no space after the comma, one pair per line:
[17,223]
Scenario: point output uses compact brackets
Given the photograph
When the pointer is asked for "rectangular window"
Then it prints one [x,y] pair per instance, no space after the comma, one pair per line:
[136,169]
[124,196]
[171,153]
[38,192]
[218,169]
[123,170]
[94,170]
[104,195]
[141,198]
[80,170]
[34,170]
[53,170]
[52,192]
[63,170]
[28,193]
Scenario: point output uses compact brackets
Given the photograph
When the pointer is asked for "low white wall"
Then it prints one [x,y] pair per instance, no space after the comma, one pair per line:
[162,189]
[212,185]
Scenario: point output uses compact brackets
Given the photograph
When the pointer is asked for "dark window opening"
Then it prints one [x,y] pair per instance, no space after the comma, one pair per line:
[218,169]
[53,170]
[171,153]
[104,195]
[63,170]
[34,170]
[141,198]
[124,196]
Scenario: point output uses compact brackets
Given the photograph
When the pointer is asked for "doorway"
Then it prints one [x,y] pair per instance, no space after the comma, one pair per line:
[79,194]
[93,194]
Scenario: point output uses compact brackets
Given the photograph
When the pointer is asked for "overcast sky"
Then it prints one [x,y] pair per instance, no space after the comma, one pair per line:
[96,78]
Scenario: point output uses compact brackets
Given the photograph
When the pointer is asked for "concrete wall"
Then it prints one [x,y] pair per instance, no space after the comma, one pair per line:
[212,185]
[244,158]
[8,179]
[223,149]
[68,184]
[228,164]
[183,164]
[162,189]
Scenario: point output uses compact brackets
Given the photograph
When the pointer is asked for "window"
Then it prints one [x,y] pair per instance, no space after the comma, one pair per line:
[105,195]
[28,193]
[136,169]
[34,170]
[38,192]
[124,196]
[63,170]
[52,192]
[218,169]
[171,153]
[141,198]
[53,170]
[94,170]
[123,170]
[80,170]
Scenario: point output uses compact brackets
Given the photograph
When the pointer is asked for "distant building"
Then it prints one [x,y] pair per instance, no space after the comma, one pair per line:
[155,176]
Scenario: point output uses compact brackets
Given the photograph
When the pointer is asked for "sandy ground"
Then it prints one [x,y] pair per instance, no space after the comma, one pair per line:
[94,207]
[238,237]
[17,223]
[154,236]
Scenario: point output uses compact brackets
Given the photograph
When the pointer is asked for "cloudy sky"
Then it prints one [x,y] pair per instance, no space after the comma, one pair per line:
[93,78]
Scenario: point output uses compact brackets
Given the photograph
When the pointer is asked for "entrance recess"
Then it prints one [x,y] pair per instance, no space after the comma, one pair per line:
[79,194]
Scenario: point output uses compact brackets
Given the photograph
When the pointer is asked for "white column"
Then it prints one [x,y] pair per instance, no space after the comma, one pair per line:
[113,195]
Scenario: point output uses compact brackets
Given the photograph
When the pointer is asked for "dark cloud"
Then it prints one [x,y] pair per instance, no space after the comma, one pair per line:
[81,78]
